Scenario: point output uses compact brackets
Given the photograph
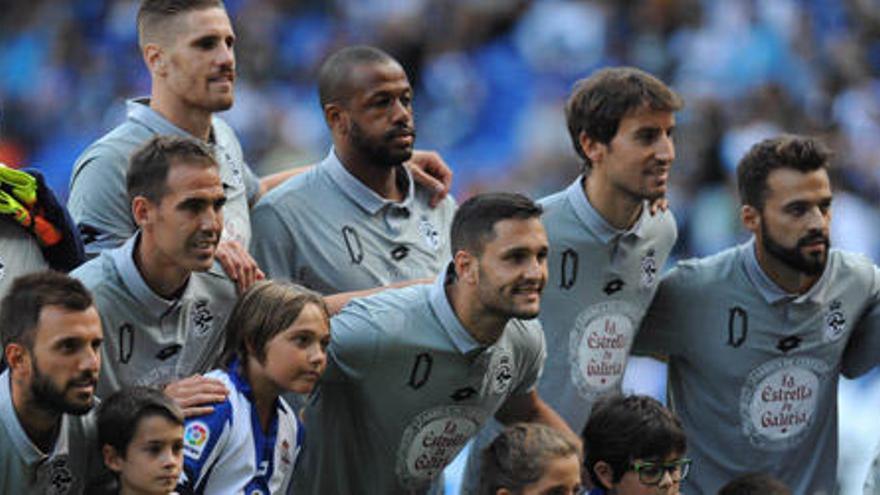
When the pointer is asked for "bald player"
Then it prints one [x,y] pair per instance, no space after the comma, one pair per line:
[756,334]
[188,47]
[357,220]
[413,373]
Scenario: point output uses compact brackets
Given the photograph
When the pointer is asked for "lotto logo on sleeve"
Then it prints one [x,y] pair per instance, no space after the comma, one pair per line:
[195,437]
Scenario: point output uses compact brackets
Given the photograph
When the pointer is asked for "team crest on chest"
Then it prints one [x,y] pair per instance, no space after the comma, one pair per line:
[429,233]
[649,268]
[2,268]
[501,370]
[202,319]
[60,476]
[835,322]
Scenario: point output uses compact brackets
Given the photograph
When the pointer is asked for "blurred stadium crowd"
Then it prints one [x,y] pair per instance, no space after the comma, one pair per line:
[490,79]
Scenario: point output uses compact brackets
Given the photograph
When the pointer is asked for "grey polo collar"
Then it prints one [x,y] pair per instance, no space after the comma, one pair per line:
[771,292]
[123,258]
[593,221]
[461,338]
[138,110]
[28,451]
[362,195]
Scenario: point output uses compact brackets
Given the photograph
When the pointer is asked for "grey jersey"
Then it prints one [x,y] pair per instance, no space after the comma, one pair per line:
[753,370]
[406,386]
[601,282]
[149,340]
[72,467]
[327,230]
[19,254]
[99,203]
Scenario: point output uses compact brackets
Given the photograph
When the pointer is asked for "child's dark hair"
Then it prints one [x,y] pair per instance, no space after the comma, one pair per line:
[262,312]
[755,484]
[622,429]
[120,414]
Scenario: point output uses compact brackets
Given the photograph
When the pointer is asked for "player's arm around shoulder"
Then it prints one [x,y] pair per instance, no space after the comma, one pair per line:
[355,336]
[658,333]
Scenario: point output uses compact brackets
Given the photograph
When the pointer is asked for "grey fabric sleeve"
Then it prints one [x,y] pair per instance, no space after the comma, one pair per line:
[98,201]
[657,334]
[272,245]
[863,349]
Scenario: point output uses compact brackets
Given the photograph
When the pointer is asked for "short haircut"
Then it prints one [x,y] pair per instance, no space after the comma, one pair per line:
[262,312]
[121,413]
[29,294]
[801,153]
[599,102]
[520,454]
[474,222]
[755,484]
[625,428]
[334,76]
[148,173]
[154,15]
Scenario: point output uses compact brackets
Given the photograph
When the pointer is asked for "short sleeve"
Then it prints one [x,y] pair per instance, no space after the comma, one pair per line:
[251,184]
[657,333]
[98,200]
[272,244]
[863,349]
[537,354]
[354,339]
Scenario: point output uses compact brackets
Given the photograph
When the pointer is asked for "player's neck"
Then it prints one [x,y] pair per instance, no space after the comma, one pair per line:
[485,327]
[380,178]
[162,276]
[41,426]
[194,121]
[618,208]
[785,277]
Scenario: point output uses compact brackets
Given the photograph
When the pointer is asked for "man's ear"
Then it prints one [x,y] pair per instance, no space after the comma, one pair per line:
[605,474]
[112,459]
[467,267]
[337,118]
[141,210]
[751,218]
[154,58]
[17,357]
[592,148]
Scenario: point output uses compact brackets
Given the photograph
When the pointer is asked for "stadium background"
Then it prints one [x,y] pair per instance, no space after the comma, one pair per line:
[490,78]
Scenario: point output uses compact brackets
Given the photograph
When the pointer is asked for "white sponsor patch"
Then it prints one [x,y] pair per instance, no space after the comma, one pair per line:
[599,346]
[778,401]
[195,439]
[432,440]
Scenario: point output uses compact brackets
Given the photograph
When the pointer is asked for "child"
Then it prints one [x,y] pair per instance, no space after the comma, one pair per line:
[141,435]
[756,484]
[531,458]
[635,446]
[276,338]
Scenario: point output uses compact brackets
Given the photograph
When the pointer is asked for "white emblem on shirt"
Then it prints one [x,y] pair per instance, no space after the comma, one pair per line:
[649,269]
[429,234]
[778,401]
[432,440]
[202,319]
[60,476]
[501,371]
[2,268]
[835,322]
[599,346]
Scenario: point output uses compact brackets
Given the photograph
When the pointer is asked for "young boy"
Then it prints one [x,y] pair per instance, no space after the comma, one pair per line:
[635,446]
[140,431]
